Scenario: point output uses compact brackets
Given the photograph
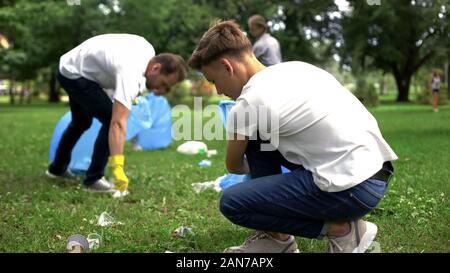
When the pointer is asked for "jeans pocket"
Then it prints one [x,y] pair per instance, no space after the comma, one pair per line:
[364,204]
[376,188]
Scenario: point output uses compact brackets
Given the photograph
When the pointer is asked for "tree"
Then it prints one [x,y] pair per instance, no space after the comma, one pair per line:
[42,31]
[304,28]
[397,37]
[169,25]
[310,29]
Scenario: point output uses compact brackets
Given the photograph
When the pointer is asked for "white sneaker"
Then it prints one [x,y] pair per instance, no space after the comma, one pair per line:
[358,240]
[101,185]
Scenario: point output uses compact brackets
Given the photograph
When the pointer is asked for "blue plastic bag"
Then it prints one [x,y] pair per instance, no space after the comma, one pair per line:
[150,120]
[139,118]
[82,152]
[159,135]
[231,179]
[224,107]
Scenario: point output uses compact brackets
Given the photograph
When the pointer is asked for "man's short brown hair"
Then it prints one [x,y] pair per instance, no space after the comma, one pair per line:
[257,20]
[223,37]
[172,63]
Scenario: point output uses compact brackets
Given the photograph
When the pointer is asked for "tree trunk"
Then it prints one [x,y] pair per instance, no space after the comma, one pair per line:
[402,81]
[12,87]
[28,98]
[383,89]
[22,93]
[53,95]
[448,80]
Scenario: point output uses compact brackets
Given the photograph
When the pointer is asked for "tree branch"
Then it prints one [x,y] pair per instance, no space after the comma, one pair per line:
[430,34]
[423,60]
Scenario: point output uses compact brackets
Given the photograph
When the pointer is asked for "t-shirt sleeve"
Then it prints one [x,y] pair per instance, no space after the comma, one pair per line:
[127,89]
[259,50]
[243,120]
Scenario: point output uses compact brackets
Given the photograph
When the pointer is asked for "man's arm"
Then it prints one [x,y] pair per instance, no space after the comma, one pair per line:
[117,135]
[117,128]
[235,160]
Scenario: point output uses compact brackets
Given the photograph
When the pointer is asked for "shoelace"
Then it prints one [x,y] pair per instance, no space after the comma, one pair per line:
[255,236]
[104,182]
[334,243]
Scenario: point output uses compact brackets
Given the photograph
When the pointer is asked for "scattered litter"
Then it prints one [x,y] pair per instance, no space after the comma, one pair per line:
[192,148]
[167,251]
[94,240]
[221,182]
[202,151]
[181,231]
[80,244]
[215,185]
[119,194]
[77,244]
[105,219]
[205,163]
[210,153]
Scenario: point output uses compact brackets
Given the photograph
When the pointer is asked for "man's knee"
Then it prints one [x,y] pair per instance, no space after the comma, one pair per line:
[81,126]
[227,204]
[230,207]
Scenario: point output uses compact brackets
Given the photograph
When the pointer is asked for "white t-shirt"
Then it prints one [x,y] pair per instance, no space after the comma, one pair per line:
[321,125]
[116,62]
[436,83]
[267,50]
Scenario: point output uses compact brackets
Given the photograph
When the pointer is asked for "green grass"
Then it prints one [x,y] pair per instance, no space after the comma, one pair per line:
[37,215]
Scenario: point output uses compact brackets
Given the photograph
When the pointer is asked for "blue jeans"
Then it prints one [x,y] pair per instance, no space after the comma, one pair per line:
[87,100]
[291,203]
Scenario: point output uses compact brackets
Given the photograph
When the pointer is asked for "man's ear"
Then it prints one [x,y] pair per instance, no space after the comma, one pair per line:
[156,67]
[225,63]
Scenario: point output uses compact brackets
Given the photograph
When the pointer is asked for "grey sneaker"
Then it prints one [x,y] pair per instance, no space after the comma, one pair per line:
[101,185]
[263,242]
[358,240]
[66,176]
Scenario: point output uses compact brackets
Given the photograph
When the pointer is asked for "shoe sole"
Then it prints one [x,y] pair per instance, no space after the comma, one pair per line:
[97,191]
[367,238]
[59,178]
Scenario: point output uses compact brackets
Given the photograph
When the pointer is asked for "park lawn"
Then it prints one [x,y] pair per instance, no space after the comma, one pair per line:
[37,215]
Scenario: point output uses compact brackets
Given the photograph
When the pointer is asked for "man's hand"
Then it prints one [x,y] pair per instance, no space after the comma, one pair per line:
[116,163]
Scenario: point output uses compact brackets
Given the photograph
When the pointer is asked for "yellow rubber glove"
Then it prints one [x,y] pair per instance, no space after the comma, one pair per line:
[116,163]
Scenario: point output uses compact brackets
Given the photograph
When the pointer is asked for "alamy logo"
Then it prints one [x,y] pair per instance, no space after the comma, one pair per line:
[249,121]
[373,2]
[73,2]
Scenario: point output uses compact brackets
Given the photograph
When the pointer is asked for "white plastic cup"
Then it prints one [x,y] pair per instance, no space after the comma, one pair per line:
[77,244]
